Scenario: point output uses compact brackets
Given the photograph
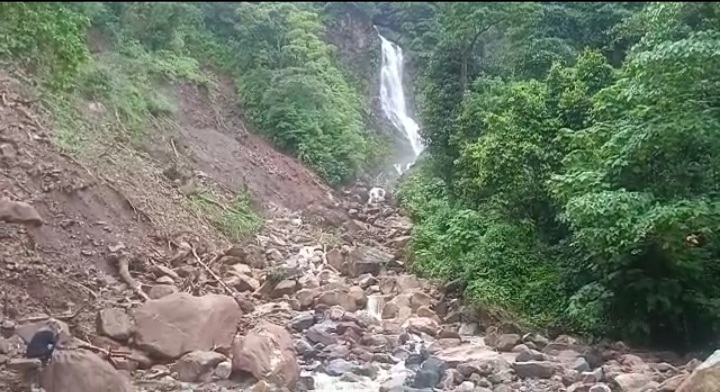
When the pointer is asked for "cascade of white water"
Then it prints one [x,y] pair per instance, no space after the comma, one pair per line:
[392,98]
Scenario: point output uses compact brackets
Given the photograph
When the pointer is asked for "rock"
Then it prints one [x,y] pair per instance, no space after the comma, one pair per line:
[180,323]
[506,342]
[702,379]
[319,333]
[633,382]
[599,388]
[22,365]
[335,259]
[268,352]
[285,287]
[468,329]
[26,332]
[535,369]
[466,386]
[197,365]
[19,212]
[81,370]
[424,311]
[338,367]
[223,370]
[115,323]
[350,377]
[430,373]
[261,386]
[367,280]
[302,322]
[422,325]
[337,297]
[366,260]
[529,355]
[242,282]
[158,291]
[419,299]
[357,294]
[305,297]
[390,310]
[581,365]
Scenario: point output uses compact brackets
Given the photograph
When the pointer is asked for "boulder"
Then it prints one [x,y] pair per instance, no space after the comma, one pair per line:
[19,212]
[115,323]
[268,352]
[180,323]
[197,365]
[81,370]
[366,260]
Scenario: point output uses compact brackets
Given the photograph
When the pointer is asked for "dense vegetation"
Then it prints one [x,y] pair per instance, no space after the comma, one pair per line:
[287,77]
[572,174]
[570,179]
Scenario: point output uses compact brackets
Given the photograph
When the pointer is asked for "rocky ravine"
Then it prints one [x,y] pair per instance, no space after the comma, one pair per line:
[302,308]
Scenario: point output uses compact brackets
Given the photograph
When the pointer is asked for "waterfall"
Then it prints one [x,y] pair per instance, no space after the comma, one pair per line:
[392,98]
[374,305]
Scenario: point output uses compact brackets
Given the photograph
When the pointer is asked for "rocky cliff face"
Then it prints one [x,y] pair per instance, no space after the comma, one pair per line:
[360,53]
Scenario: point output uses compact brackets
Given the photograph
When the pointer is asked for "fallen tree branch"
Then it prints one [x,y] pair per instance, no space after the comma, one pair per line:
[124,271]
[212,273]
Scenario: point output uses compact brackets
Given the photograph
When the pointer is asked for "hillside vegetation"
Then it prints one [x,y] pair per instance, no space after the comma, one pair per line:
[571,175]
[572,171]
[291,89]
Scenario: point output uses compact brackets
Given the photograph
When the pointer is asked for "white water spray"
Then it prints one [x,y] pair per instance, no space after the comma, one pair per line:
[392,98]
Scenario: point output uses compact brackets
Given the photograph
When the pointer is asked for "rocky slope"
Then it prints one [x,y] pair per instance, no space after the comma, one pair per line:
[149,297]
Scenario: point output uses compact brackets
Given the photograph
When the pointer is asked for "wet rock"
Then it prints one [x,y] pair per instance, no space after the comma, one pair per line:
[180,323]
[320,333]
[81,370]
[19,212]
[430,373]
[302,322]
[338,367]
[115,323]
[268,352]
[197,365]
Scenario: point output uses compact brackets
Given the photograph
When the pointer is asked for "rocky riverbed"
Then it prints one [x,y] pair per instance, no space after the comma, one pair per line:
[324,306]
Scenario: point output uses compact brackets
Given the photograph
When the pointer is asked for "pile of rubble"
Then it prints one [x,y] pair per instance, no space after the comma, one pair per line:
[302,307]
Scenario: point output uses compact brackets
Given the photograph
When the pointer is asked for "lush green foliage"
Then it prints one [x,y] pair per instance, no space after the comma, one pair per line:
[575,183]
[291,88]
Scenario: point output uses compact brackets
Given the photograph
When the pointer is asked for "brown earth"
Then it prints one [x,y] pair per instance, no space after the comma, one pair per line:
[114,194]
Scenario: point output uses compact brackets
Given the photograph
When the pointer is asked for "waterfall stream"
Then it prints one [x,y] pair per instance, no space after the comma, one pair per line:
[392,98]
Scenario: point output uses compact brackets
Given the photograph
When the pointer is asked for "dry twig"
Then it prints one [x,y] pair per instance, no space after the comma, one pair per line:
[212,273]
[123,263]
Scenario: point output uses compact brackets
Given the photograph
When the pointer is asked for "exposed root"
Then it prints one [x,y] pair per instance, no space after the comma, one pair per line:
[67,317]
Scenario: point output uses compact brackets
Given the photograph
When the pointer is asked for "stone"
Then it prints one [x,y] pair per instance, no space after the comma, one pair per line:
[468,329]
[335,259]
[319,333]
[82,370]
[390,310]
[424,311]
[506,342]
[115,323]
[633,382]
[180,323]
[420,299]
[422,325]
[268,352]
[702,379]
[19,212]
[158,291]
[223,370]
[535,369]
[302,322]
[529,355]
[357,294]
[430,373]
[366,260]
[285,287]
[599,388]
[242,282]
[197,365]
[305,297]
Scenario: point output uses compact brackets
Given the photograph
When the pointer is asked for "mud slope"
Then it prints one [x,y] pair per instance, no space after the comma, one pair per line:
[117,196]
